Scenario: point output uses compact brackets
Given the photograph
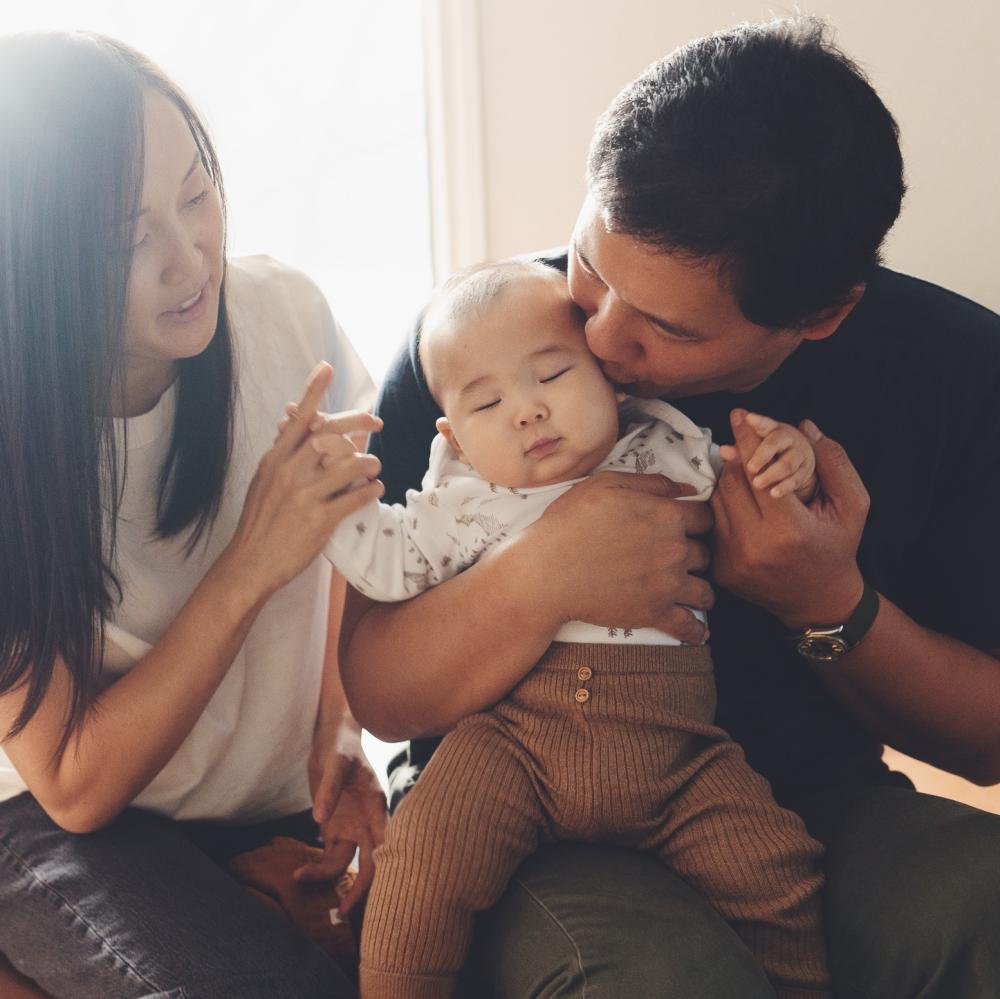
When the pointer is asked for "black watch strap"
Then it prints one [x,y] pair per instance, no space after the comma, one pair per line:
[826,643]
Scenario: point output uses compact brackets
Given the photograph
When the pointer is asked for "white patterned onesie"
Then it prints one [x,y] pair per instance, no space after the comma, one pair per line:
[392,553]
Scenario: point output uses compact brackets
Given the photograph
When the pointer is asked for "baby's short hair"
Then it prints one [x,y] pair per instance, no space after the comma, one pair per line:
[467,294]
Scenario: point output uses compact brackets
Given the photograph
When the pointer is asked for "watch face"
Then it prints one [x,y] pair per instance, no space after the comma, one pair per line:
[822,648]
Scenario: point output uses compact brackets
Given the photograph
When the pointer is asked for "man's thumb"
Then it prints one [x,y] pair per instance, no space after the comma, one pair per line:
[837,474]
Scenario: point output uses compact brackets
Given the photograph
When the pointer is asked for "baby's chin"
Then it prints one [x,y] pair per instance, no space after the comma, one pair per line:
[562,472]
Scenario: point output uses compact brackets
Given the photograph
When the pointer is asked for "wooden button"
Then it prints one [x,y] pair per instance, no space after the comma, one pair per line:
[584,673]
[582,696]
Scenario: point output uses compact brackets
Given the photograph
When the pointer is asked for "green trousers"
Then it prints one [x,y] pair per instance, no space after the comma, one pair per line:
[912,910]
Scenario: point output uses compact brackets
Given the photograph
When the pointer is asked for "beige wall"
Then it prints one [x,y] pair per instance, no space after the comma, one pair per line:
[551,66]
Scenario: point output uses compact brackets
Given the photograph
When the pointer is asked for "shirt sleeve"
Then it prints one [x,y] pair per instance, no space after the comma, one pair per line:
[392,552]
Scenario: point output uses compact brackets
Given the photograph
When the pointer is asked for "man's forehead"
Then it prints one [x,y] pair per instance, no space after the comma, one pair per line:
[672,289]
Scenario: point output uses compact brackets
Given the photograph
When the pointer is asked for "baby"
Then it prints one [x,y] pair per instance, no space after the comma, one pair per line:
[610,737]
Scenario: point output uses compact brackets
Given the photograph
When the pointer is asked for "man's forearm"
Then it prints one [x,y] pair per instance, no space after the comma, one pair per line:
[416,668]
[924,693]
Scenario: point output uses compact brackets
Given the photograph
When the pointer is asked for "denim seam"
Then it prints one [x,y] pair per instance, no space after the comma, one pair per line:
[67,905]
[562,929]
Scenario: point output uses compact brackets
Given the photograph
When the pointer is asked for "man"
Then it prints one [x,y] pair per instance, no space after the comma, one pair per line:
[727,259]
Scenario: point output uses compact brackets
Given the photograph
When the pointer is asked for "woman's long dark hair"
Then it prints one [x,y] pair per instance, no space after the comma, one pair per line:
[71,166]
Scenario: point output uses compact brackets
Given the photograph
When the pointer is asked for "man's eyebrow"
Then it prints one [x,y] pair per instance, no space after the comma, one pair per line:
[675,329]
[190,170]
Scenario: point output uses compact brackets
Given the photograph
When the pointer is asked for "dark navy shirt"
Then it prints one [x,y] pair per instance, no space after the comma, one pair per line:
[910,385]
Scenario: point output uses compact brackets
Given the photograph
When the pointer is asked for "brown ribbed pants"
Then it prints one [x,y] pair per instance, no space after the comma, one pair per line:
[599,743]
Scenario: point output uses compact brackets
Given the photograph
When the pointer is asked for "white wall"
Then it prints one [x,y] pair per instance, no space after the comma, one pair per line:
[551,66]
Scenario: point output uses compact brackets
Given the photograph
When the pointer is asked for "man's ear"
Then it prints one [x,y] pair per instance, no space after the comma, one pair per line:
[444,429]
[826,327]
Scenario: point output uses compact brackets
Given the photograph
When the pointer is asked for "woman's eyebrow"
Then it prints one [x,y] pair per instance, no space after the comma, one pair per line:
[190,170]
[194,163]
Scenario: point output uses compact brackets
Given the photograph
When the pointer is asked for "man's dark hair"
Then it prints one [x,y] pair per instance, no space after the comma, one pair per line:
[762,146]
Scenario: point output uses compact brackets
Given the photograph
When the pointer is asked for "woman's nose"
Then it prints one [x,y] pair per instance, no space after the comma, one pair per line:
[183,260]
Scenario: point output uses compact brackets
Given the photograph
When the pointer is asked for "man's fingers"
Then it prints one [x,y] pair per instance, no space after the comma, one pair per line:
[734,490]
[658,485]
[747,439]
[682,624]
[698,557]
[839,479]
[697,518]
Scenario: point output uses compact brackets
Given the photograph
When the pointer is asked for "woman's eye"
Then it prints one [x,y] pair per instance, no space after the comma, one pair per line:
[552,378]
[139,242]
[198,198]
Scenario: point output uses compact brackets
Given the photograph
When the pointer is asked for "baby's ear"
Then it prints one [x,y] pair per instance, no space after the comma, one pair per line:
[444,429]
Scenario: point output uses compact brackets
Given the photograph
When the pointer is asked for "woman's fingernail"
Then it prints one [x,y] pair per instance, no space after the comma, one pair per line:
[737,416]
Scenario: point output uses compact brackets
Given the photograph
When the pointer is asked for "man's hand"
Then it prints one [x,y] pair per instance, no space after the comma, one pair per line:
[798,562]
[619,550]
[350,808]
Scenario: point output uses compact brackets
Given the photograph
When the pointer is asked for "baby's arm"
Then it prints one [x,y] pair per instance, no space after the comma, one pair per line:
[783,462]
[392,553]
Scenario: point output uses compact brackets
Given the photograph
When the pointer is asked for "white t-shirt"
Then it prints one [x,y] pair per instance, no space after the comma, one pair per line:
[245,759]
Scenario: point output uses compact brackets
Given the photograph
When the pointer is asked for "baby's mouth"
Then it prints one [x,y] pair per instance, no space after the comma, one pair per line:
[543,447]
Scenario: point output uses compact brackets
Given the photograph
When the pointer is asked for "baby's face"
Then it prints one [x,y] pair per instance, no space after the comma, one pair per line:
[524,399]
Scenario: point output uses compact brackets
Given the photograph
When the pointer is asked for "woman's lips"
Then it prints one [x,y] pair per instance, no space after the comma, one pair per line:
[190,309]
[543,447]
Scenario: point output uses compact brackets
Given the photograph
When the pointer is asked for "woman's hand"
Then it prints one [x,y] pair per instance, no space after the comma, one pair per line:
[350,808]
[299,495]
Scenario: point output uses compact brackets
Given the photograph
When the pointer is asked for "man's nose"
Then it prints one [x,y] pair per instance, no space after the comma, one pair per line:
[606,337]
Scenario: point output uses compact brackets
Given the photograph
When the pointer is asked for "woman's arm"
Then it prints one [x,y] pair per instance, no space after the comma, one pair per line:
[348,802]
[136,725]
[612,550]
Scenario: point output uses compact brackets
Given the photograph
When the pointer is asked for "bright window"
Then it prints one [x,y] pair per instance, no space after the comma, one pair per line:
[318,113]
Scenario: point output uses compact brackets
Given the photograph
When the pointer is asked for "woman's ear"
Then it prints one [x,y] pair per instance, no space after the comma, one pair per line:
[444,429]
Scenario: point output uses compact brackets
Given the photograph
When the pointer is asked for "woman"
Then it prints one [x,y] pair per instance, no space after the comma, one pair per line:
[165,617]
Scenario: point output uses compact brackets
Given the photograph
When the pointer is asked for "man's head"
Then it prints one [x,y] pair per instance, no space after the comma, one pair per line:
[504,354]
[756,164]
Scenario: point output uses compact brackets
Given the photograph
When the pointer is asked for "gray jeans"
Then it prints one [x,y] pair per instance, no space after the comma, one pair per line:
[912,912]
[139,910]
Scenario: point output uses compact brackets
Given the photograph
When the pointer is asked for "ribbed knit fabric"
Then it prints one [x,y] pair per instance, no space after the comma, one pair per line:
[599,743]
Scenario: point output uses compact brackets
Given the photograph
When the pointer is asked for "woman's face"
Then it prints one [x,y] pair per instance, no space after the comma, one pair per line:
[177,263]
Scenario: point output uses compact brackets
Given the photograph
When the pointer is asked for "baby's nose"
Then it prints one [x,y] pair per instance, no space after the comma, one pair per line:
[532,415]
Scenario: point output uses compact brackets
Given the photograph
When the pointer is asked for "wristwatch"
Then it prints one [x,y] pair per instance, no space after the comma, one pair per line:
[827,643]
